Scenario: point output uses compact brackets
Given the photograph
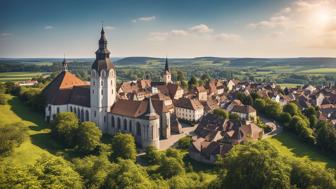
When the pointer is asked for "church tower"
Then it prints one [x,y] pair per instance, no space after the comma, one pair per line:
[166,75]
[102,85]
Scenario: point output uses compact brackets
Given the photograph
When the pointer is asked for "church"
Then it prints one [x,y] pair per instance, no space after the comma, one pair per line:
[143,108]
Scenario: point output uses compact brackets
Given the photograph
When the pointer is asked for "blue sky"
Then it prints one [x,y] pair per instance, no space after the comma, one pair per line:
[176,28]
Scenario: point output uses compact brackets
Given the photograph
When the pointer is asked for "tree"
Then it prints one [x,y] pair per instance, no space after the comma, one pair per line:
[292,109]
[254,165]
[123,146]
[272,109]
[192,82]
[234,117]
[54,172]
[306,175]
[14,176]
[260,104]
[127,174]
[170,167]
[326,138]
[94,170]
[185,142]
[205,77]
[285,118]
[3,99]
[221,113]
[11,135]
[152,155]
[300,127]
[65,127]
[180,76]
[88,136]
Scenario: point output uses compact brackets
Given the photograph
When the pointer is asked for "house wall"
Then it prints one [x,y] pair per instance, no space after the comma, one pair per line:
[188,114]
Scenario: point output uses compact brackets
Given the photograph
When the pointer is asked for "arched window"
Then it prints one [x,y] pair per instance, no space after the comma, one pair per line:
[111,82]
[125,125]
[75,110]
[70,108]
[118,124]
[102,83]
[138,129]
[78,113]
[58,110]
[87,115]
[112,121]
[82,115]
[130,126]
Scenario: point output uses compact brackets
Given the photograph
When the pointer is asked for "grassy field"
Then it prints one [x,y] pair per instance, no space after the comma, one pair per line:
[18,76]
[39,142]
[289,146]
[320,71]
[289,85]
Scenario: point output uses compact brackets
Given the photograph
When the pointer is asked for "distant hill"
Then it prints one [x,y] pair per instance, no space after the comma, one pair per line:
[233,62]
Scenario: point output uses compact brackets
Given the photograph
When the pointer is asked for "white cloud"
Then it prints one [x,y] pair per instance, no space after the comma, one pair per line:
[229,37]
[273,22]
[6,34]
[201,28]
[158,36]
[109,27]
[48,27]
[179,32]
[144,19]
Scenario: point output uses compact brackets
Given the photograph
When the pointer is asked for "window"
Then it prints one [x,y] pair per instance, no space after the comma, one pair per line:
[130,125]
[102,83]
[70,108]
[104,119]
[112,91]
[138,129]
[118,123]
[111,82]
[86,115]
[102,92]
[112,120]
[125,124]
[95,113]
[58,110]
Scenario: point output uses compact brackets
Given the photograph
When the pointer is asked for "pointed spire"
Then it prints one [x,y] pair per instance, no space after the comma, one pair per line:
[151,113]
[166,66]
[65,64]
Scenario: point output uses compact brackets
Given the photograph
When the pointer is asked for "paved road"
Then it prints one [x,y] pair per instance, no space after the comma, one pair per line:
[167,143]
[276,127]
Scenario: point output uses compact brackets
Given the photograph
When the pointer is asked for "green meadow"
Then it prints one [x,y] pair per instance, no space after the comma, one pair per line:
[19,76]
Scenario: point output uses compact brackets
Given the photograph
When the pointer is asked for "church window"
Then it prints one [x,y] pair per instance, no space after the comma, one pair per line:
[49,108]
[104,119]
[70,108]
[58,110]
[111,82]
[138,129]
[102,83]
[118,123]
[130,125]
[125,124]
[112,91]
[95,113]
[87,115]
[102,92]
[112,120]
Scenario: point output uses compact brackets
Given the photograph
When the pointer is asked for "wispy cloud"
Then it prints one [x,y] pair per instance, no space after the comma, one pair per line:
[273,22]
[48,27]
[144,19]
[228,37]
[201,28]
[158,36]
[109,27]
[6,34]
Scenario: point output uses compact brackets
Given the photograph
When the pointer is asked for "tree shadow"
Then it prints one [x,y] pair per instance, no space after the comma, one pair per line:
[25,113]
[303,150]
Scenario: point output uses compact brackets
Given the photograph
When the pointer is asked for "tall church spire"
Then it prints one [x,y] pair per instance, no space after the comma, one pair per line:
[102,54]
[166,66]
[65,64]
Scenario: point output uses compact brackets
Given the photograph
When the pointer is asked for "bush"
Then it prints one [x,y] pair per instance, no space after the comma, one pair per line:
[3,99]
[65,128]
[185,142]
[123,146]
[11,136]
[170,167]
[221,113]
[88,136]
[152,155]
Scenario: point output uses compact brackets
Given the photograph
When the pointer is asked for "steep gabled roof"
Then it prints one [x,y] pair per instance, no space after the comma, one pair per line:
[59,90]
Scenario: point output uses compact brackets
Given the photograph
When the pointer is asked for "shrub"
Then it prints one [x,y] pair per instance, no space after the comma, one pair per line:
[11,135]
[185,142]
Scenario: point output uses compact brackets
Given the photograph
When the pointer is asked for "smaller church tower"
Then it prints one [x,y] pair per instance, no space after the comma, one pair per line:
[150,135]
[102,84]
[166,75]
[65,65]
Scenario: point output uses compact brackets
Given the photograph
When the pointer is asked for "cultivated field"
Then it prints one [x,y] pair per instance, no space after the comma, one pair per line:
[19,76]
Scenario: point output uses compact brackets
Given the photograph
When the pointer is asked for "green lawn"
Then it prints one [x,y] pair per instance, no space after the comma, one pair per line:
[18,76]
[39,141]
[320,70]
[289,85]
[290,146]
